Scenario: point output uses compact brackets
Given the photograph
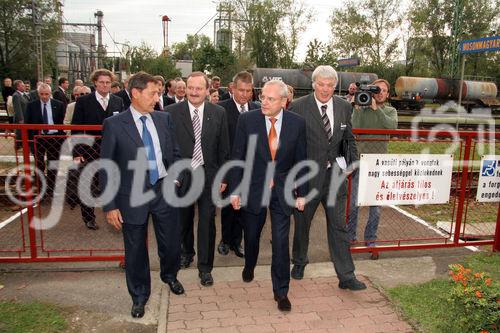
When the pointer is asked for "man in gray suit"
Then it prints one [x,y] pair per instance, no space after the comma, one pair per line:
[19,102]
[329,134]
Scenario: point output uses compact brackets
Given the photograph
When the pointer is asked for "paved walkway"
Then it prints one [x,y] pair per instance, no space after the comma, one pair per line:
[318,305]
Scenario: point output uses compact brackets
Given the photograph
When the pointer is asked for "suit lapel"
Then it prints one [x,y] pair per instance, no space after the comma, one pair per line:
[186,119]
[317,117]
[161,137]
[131,128]
[206,125]
[281,138]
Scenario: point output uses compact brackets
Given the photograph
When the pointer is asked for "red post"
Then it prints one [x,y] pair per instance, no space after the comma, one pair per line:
[28,187]
[496,244]
[463,189]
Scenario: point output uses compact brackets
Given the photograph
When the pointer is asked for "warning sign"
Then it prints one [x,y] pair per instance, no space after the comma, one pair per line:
[488,185]
[404,179]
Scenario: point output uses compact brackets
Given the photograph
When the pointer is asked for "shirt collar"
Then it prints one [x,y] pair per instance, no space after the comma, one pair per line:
[192,107]
[278,116]
[137,115]
[329,103]
[99,96]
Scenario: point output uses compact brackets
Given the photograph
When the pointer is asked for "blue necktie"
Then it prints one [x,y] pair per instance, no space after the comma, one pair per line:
[150,149]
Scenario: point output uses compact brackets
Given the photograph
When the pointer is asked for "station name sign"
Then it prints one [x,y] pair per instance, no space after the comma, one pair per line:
[350,62]
[480,45]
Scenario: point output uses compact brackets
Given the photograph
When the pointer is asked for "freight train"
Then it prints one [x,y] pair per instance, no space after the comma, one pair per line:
[413,92]
[410,92]
[300,79]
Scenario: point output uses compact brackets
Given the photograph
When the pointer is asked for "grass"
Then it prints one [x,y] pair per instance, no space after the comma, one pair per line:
[425,305]
[30,317]
[477,212]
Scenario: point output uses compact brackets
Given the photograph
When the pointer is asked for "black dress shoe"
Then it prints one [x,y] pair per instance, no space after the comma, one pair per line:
[247,275]
[91,225]
[137,310]
[176,287]
[297,272]
[206,279]
[238,250]
[186,261]
[352,284]
[283,303]
[223,248]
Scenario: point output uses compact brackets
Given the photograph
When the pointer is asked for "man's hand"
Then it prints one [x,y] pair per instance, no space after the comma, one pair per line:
[236,202]
[222,187]
[374,104]
[300,204]
[114,217]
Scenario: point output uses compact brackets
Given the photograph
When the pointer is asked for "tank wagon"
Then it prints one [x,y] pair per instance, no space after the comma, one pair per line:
[300,79]
[413,92]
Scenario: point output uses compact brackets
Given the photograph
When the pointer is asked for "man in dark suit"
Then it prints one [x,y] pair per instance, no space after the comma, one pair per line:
[92,109]
[124,95]
[47,111]
[229,93]
[281,140]
[328,120]
[137,131]
[60,92]
[201,131]
[241,102]
[216,85]
[19,104]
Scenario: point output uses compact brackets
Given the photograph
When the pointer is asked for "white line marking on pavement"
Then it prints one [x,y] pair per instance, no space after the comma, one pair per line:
[430,227]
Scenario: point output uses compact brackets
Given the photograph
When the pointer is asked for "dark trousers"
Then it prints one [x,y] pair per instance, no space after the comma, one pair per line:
[231,225]
[167,230]
[89,154]
[206,227]
[280,228]
[48,149]
[338,239]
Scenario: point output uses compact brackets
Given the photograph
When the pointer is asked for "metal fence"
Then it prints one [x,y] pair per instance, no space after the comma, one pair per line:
[66,236]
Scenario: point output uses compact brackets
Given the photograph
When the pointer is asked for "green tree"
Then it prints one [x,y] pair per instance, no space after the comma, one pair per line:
[369,29]
[319,53]
[269,30]
[431,22]
[145,58]
[17,48]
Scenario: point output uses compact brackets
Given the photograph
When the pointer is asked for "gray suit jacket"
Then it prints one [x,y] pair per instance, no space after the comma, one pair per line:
[19,102]
[318,148]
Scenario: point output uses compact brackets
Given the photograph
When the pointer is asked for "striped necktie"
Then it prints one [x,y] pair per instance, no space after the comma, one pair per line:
[326,122]
[197,159]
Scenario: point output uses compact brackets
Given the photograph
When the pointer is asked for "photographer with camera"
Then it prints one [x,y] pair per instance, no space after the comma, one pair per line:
[370,111]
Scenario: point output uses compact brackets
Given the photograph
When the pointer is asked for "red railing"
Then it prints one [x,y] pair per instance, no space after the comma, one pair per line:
[399,229]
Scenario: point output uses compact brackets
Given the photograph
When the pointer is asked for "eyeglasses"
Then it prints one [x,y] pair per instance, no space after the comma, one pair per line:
[82,94]
[270,99]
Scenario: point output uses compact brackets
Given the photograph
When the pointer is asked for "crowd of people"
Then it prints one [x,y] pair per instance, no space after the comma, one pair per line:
[195,119]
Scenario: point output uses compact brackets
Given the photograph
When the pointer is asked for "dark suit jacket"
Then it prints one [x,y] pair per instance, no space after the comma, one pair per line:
[214,136]
[34,115]
[125,98]
[318,147]
[232,114]
[88,111]
[61,96]
[165,100]
[168,101]
[120,142]
[291,150]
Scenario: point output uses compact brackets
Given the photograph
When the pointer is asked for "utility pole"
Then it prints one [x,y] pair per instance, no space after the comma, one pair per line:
[222,25]
[98,25]
[456,32]
[37,23]
[165,19]
[100,47]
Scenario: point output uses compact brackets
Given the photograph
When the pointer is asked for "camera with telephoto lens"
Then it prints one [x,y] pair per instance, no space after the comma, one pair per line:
[364,94]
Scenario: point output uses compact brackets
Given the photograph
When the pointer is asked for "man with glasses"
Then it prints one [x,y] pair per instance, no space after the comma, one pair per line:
[281,139]
[92,109]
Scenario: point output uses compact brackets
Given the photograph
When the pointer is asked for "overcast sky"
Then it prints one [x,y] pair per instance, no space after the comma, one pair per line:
[135,21]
